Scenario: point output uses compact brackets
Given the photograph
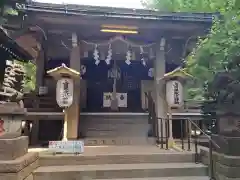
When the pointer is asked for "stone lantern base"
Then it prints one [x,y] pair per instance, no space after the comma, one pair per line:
[227,157]
[15,161]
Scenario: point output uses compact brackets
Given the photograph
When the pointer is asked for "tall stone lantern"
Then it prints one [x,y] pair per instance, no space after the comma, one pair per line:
[174,87]
[65,88]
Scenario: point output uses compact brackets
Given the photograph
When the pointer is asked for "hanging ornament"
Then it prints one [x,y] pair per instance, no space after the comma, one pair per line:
[128,57]
[109,56]
[142,56]
[83,69]
[151,72]
[102,55]
[151,53]
[85,54]
[96,55]
[133,56]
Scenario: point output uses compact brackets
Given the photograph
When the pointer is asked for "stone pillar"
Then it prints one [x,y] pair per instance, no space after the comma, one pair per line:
[73,113]
[15,161]
[159,71]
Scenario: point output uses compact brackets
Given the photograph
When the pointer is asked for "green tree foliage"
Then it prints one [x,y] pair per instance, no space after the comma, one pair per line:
[9,8]
[216,60]
[30,76]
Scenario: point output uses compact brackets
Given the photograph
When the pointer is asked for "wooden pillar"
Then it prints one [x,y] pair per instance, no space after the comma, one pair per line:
[72,113]
[39,82]
[159,71]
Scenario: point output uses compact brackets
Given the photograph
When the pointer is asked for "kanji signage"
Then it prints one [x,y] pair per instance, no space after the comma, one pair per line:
[64,94]
[174,93]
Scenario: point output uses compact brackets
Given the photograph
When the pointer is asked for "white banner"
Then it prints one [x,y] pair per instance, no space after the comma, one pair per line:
[121,97]
[66,146]
[107,98]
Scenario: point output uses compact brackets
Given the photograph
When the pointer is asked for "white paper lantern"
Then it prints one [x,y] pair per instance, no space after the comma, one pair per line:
[174,93]
[64,92]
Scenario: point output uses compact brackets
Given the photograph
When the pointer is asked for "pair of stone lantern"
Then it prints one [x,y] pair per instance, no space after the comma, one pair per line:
[66,78]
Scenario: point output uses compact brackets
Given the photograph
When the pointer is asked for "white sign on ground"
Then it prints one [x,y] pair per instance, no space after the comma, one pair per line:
[66,146]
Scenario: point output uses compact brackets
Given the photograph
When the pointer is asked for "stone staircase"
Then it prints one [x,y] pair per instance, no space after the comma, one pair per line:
[115,129]
[134,164]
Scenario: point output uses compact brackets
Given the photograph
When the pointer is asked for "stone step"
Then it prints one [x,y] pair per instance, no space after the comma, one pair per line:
[167,178]
[114,125]
[114,171]
[65,159]
[120,140]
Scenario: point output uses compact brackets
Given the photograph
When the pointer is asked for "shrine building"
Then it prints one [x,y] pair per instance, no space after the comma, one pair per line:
[121,54]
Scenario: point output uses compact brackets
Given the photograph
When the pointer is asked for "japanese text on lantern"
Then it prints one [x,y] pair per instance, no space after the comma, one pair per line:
[176,93]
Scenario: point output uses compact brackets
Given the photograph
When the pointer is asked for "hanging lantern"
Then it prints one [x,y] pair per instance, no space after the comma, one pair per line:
[96,55]
[174,93]
[109,56]
[151,72]
[64,92]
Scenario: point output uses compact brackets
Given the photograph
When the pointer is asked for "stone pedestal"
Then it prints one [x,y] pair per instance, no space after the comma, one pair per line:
[15,161]
[227,161]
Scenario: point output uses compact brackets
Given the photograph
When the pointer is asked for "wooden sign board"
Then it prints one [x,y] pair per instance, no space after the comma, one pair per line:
[66,146]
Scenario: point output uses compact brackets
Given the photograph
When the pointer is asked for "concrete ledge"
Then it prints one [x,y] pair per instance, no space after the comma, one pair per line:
[13,148]
[228,171]
[29,177]
[18,164]
[222,177]
[62,160]
[114,171]
[21,175]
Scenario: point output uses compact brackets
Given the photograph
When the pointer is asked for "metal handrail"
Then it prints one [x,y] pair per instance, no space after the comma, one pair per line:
[209,137]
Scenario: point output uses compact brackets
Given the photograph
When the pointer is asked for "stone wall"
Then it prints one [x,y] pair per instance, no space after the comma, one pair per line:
[225,167]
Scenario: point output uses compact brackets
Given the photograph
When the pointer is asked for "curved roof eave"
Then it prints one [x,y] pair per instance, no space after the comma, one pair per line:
[83,10]
[12,48]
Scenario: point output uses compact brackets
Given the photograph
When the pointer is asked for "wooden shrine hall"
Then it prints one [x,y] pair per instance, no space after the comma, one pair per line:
[120,53]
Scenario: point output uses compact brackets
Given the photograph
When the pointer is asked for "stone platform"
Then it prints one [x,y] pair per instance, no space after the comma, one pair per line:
[16,163]
[119,162]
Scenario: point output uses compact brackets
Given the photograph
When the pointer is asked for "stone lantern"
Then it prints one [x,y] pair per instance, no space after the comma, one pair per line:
[174,83]
[66,78]
[11,117]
